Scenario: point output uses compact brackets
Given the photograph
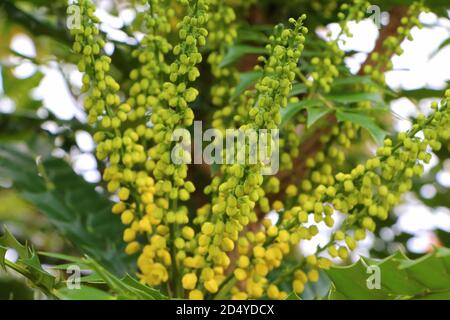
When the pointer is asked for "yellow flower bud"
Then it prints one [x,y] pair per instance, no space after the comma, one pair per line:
[240,274]
[196,295]
[132,248]
[211,286]
[189,281]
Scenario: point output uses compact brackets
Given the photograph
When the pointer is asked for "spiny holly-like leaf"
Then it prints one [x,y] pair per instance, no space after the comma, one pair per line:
[28,263]
[400,278]
[29,266]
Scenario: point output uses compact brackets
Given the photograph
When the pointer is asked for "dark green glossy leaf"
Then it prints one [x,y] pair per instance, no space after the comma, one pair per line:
[72,205]
[401,278]
[293,296]
[298,88]
[235,52]
[347,98]
[293,108]
[83,293]
[316,113]
[245,80]
[365,122]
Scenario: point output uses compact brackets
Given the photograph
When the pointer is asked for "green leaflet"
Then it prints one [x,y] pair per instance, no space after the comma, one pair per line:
[348,98]
[425,278]
[316,113]
[297,88]
[83,293]
[293,108]
[253,34]
[245,80]
[72,205]
[365,122]
[293,296]
[237,51]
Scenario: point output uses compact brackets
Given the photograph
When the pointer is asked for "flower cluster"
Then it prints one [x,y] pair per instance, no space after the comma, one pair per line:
[365,194]
[325,67]
[117,143]
[222,24]
[392,45]
[236,193]
[229,248]
[171,111]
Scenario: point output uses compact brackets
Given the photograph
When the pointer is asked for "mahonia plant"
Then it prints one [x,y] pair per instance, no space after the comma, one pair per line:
[225,245]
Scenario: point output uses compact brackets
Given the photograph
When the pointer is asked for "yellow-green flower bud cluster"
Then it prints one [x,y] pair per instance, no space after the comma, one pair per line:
[366,194]
[325,67]
[392,45]
[292,213]
[151,52]
[171,243]
[223,32]
[242,187]
[290,143]
[354,11]
[119,146]
[238,190]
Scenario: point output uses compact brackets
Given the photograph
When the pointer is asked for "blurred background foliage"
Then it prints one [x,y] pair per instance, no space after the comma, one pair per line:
[46,196]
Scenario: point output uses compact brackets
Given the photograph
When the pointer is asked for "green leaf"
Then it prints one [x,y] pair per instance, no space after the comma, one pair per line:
[7,240]
[245,80]
[251,34]
[73,206]
[235,52]
[365,122]
[19,90]
[298,88]
[347,98]
[143,290]
[401,278]
[293,108]
[293,296]
[27,264]
[3,251]
[352,80]
[316,113]
[317,290]
[422,93]
[83,293]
